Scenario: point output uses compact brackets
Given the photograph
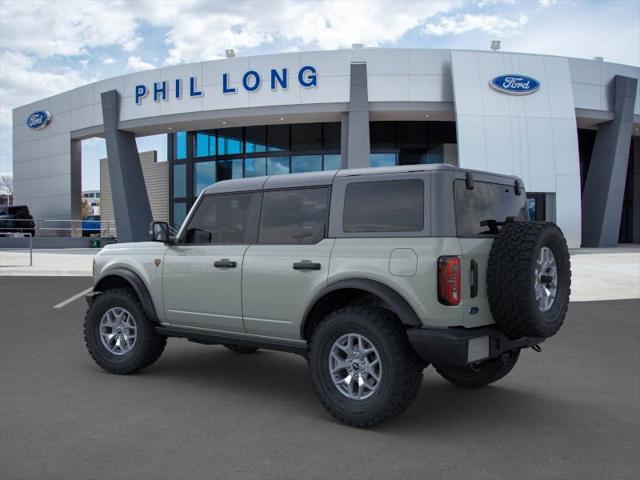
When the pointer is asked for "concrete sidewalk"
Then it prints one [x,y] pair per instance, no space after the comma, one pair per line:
[597,274]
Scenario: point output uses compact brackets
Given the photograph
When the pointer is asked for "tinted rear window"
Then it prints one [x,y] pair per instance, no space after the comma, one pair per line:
[487,201]
[294,216]
[384,206]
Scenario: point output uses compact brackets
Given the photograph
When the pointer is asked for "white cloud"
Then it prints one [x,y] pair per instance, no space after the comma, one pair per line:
[547,3]
[491,24]
[108,61]
[135,64]
[203,30]
[66,28]
[22,83]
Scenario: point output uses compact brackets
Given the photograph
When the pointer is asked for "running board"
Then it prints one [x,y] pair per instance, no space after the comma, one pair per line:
[208,338]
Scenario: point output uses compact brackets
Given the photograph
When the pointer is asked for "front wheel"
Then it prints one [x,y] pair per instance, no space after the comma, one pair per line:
[119,336]
[362,366]
[482,374]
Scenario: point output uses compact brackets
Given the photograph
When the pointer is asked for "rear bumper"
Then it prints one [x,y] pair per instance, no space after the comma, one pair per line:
[458,347]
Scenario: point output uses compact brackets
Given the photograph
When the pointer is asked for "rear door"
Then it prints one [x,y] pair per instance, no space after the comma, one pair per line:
[290,262]
[487,201]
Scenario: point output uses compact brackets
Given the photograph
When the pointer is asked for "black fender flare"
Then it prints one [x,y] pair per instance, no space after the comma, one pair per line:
[393,299]
[133,279]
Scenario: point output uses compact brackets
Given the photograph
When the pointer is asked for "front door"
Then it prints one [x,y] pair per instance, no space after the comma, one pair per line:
[202,272]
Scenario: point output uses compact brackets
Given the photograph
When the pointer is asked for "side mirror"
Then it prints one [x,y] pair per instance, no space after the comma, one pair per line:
[159,232]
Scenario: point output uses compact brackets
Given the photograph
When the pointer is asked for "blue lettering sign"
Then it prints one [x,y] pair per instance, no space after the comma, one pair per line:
[225,84]
[159,90]
[275,77]
[251,86]
[192,88]
[307,76]
[141,92]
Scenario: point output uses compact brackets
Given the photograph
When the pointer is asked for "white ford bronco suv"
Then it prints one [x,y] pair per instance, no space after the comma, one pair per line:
[371,274]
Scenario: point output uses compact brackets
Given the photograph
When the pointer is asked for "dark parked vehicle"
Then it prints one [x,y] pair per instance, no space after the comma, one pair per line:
[16,219]
[91,225]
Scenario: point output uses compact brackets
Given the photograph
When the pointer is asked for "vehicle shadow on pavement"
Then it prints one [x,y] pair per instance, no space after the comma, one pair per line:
[282,381]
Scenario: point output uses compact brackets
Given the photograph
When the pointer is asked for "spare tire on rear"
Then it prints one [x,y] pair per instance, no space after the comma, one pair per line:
[529,279]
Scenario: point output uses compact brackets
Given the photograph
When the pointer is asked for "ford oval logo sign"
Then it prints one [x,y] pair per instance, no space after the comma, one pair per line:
[38,120]
[515,84]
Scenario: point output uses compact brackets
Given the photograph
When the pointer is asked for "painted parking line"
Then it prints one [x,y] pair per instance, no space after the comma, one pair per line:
[69,300]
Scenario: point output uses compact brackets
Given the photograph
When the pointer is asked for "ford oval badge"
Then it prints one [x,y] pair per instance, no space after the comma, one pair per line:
[515,84]
[38,120]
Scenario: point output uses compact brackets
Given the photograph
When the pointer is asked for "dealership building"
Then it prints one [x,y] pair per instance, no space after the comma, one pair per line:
[570,128]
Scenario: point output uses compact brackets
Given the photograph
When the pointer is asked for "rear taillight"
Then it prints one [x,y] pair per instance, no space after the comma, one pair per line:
[449,280]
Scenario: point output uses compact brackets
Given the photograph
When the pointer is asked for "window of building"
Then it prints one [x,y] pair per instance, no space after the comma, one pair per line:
[331,136]
[384,206]
[306,163]
[179,214]
[382,159]
[204,174]
[230,141]
[255,139]
[294,216]
[332,162]
[306,137]
[255,167]
[205,144]
[487,201]
[179,180]
[229,169]
[180,146]
[278,138]
[201,158]
[278,165]
[222,219]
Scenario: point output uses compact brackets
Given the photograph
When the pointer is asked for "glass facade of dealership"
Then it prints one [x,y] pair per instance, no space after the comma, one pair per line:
[201,158]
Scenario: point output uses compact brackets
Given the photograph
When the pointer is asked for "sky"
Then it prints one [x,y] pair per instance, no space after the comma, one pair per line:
[47,47]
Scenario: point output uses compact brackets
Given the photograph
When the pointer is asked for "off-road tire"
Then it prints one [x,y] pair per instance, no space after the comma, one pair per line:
[148,346]
[478,376]
[511,277]
[240,348]
[402,370]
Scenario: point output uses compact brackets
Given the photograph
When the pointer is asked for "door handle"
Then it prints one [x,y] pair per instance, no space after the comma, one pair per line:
[224,263]
[474,279]
[306,265]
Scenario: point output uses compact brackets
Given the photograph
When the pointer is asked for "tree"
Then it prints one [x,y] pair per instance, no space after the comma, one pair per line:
[86,209]
[6,184]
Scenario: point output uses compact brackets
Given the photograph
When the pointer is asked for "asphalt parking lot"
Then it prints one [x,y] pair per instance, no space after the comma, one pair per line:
[572,411]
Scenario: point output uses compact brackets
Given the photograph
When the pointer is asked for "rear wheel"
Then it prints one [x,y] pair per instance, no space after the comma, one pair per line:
[482,374]
[240,348]
[119,336]
[362,367]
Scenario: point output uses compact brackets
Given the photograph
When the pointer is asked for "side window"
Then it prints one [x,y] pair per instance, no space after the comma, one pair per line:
[384,206]
[294,216]
[224,218]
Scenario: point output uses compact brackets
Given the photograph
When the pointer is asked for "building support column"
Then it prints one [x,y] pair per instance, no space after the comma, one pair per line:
[131,207]
[604,187]
[635,217]
[358,145]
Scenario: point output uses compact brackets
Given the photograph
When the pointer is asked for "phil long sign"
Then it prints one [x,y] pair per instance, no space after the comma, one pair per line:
[251,81]
[515,84]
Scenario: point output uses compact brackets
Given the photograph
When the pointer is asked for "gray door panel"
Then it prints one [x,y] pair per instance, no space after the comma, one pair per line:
[275,294]
[199,294]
